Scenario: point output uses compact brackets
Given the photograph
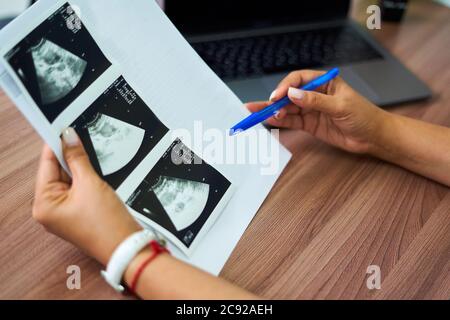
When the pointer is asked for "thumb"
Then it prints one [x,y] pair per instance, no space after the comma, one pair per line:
[313,100]
[75,155]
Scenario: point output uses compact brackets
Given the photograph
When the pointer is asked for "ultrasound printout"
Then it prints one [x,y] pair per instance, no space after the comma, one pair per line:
[134,89]
[57,61]
[118,131]
[180,196]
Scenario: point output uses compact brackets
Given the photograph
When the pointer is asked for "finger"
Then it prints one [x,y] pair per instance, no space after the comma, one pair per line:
[315,101]
[295,79]
[290,109]
[289,121]
[49,169]
[280,114]
[64,176]
[256,106]
[75,155]
[293,109]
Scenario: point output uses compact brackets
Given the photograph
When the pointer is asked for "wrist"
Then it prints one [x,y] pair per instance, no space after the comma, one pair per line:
[107,248]
[134,265]
[382,135]
[148,261]
[125,253]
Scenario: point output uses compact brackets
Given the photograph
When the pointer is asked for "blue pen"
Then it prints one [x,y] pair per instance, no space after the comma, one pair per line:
[271,110]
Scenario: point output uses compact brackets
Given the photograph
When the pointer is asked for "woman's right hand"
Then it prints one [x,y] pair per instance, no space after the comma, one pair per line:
[83,210]
[335,113]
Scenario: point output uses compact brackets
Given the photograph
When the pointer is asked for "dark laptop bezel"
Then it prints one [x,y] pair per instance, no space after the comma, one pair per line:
[205,17]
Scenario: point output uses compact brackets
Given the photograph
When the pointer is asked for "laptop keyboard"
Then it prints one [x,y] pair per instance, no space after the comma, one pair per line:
[261,55]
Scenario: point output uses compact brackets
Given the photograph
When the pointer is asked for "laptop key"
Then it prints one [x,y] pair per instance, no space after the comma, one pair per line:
[254,56]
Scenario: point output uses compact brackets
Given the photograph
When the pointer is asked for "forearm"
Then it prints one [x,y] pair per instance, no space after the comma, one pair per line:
[418,146]
[169,278]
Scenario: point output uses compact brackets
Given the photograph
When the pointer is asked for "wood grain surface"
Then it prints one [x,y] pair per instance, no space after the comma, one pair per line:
[329,217]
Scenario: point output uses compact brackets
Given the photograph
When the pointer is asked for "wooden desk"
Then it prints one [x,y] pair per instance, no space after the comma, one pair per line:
[330,216]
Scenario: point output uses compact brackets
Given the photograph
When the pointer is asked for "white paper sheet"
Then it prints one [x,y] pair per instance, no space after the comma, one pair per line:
[180,88]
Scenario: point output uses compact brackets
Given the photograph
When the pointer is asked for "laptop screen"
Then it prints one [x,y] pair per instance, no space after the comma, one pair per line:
[193,17]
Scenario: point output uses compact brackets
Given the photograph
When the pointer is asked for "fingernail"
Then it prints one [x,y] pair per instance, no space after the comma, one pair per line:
[70,137]
[273,95]
[296,93]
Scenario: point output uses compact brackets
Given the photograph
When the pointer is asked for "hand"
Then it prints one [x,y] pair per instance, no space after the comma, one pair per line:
[335,113]
[83,210]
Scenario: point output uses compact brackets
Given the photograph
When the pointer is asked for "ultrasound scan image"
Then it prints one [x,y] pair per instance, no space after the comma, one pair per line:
[180,197]
[57,61]
[115,142]
[118,131]
[58,71]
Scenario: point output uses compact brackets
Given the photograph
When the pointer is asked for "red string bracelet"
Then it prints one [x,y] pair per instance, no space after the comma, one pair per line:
[157,249]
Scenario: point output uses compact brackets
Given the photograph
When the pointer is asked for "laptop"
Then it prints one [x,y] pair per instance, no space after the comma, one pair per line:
[253,44]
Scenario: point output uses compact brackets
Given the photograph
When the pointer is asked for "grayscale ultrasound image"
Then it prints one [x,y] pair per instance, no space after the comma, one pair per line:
[57,62]
[115,142]
[180,197]
[58,71]
[118,131]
